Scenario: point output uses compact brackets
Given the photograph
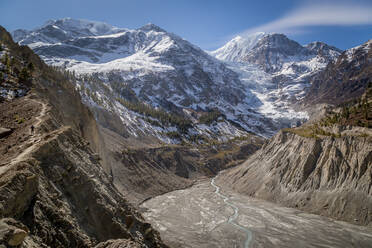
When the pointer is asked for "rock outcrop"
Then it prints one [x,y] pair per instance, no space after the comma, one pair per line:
[118,243]
[12,232]
[327,176]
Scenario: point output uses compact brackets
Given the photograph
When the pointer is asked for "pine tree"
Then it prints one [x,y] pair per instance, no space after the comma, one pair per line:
[6,62]
[12,62]
[30,67]
[24,76]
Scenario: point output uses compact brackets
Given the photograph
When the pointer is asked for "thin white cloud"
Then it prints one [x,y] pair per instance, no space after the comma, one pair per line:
[319,14]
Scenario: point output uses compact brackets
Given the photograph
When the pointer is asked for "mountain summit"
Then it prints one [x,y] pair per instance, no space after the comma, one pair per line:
[272,51]
[238,48]
[63,29]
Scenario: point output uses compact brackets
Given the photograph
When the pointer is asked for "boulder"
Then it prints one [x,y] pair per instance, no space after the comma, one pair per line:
[4,132]
[12,232]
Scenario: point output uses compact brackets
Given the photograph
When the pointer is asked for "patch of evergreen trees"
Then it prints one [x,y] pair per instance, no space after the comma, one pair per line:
[164,117]
[209,117]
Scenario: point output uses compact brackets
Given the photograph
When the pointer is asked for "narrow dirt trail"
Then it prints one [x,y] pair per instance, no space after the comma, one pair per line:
[36,138]
[42,114]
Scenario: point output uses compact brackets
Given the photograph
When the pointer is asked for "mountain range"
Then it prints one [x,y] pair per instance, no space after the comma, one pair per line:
[252,81]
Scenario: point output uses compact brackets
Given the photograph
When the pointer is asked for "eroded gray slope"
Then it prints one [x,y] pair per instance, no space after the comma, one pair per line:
[328,176]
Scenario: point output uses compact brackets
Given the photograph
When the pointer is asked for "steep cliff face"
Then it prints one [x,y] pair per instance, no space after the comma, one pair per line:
[62,195]
[324,175]
[53,189]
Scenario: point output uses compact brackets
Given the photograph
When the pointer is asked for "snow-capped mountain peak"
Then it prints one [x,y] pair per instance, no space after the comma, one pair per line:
[272,51]
[238,47]
[153,27]
[80,25]
[276,69]
[61,30]
[358,50]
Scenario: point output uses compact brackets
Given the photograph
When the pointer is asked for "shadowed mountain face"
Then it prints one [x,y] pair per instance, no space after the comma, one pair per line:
[345,79]
[273,50]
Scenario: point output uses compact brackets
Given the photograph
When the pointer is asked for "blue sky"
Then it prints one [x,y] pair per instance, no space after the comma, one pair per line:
[209,23]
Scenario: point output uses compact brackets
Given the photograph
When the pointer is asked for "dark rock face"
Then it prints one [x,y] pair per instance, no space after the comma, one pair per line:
[273,50]
[118,243]
[345,79]
[76,197]
[324,50]
[327,176]
[17,191]
[66,200]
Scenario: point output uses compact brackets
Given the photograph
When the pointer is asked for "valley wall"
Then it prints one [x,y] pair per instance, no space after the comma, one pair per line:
[324,175]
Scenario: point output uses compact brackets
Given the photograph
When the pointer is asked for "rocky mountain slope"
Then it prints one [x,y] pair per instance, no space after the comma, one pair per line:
[345,79]
[54,191]
[277,70]
[275,52]
[327,176]
[159,68]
